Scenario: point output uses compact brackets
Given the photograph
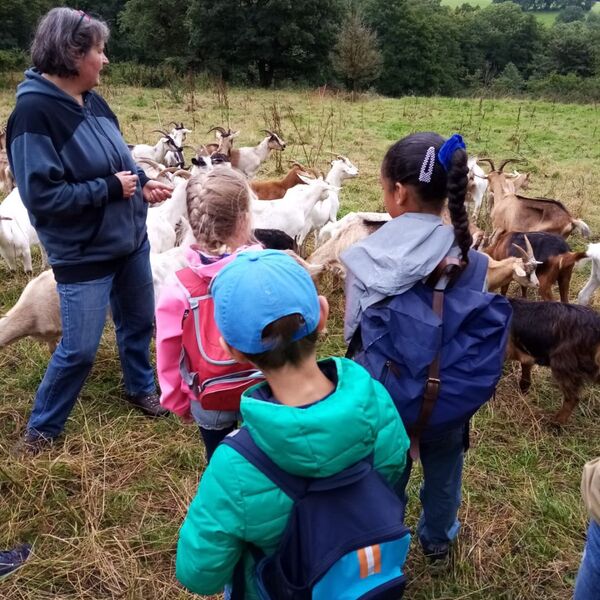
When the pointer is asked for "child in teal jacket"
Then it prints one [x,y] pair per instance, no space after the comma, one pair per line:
[313,418]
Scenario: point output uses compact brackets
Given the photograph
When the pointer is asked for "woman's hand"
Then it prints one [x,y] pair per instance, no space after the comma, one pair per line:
[155,191]
[128,182]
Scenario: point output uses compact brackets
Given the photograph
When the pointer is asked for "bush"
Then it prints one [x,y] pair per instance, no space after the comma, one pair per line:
[13,60]
[566,88]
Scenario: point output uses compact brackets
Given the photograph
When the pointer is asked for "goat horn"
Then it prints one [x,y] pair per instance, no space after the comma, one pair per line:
[525,255]
[502,165]
[529,248]
[161,132]
[268,132]
[219,129]
[487,160]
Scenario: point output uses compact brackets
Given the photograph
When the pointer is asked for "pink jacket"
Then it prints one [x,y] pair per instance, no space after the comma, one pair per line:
[172,303]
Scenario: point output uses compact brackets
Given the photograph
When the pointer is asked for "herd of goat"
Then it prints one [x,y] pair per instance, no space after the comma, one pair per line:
[528,245]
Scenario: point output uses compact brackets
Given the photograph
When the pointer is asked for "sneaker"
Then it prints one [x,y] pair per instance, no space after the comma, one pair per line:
[148,404]
[12,560]
[32,443]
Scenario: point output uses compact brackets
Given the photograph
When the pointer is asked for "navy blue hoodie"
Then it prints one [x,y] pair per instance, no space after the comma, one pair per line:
[64,157]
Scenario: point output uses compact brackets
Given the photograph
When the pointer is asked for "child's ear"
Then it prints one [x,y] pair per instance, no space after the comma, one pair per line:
[235,354]
[324,306]
[401,194]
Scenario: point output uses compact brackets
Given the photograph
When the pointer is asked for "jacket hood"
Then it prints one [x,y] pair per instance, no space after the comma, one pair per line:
[322,438]
[36,84]
[193,256]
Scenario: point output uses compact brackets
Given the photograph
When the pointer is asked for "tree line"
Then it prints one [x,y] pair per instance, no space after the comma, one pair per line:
[397,48]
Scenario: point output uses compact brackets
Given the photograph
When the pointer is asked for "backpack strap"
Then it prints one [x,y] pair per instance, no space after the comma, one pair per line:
[448,269]
[241,441]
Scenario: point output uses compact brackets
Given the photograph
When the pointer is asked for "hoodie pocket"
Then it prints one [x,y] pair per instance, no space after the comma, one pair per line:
[95,230]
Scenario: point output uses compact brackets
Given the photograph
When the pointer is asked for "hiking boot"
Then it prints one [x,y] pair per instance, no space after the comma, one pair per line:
[12,560]
[149,404]
[32,443]
[438,556]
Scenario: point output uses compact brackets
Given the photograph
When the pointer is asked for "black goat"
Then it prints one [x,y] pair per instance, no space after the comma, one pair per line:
[564,337]
[275,239]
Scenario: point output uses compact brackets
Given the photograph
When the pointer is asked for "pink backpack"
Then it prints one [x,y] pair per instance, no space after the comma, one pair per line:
[216,380]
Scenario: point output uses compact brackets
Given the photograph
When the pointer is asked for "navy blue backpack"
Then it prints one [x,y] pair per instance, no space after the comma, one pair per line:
[438,348]
[344,540]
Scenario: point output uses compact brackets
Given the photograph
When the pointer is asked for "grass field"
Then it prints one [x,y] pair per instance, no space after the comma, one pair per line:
[104,508]
[547,17]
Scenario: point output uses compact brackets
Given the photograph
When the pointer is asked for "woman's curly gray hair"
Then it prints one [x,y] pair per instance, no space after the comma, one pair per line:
[62,37]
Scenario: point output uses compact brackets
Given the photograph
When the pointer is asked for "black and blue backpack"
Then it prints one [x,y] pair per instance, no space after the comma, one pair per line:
[344,540]
[438,348]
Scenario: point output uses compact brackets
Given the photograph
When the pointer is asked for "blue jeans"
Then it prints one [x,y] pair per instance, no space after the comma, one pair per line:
[442,460]
[84,307]
[587,586]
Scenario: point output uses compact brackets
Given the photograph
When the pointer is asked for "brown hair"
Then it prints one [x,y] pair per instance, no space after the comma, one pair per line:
[286,351]
[218,204]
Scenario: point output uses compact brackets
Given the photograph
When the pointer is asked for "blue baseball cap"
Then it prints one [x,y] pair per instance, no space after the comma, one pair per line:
[257,288]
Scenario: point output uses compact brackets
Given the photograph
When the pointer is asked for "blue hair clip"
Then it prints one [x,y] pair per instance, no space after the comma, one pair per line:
[448,148]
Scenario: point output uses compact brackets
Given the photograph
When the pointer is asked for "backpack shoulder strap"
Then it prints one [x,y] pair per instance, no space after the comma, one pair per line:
[241,441]
[447,271]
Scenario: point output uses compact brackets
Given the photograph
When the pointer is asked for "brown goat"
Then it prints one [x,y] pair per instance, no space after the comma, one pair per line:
[512,212]
[272,189]
[555,261]
[564,337]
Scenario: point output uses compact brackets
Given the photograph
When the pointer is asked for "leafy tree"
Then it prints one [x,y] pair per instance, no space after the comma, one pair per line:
[509,81]
[356,55]
[19,20]
[497,35]
[570,14]
[155,31]
[570,50]
[287,38]
[419,45]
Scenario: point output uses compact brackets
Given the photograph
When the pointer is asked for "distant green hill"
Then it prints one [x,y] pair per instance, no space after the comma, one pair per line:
[546,17]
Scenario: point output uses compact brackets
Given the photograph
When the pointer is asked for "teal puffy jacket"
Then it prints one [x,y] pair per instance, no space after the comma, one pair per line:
[236,503]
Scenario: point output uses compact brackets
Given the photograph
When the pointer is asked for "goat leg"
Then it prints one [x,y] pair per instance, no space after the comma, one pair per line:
[525,381]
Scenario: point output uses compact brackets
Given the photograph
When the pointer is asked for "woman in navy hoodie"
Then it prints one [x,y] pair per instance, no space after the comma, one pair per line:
[87,200]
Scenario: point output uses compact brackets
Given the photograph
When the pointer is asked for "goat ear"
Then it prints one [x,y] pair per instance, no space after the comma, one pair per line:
[234,133]
[519,271]
[307,180]
[195,161]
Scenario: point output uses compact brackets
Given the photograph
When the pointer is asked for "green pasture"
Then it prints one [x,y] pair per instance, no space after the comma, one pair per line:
[547,16]
[103,509]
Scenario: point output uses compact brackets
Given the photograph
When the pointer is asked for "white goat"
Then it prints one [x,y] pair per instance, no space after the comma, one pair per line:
[593,283]
[291,214]
[477,185]
[332,230]
[37,311]
[7,181]
[249,158]
[159,151]
[178,133]
[161,220]
[17,235]
[326,212]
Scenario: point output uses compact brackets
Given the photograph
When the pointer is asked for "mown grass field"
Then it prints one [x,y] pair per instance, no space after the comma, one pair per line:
[104,508]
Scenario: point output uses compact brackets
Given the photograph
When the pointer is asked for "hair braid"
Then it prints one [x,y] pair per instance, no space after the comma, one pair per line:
[218,205]
[457,182]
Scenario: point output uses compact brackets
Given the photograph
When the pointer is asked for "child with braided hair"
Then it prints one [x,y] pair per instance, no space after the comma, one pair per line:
[418,317]
[219,213]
